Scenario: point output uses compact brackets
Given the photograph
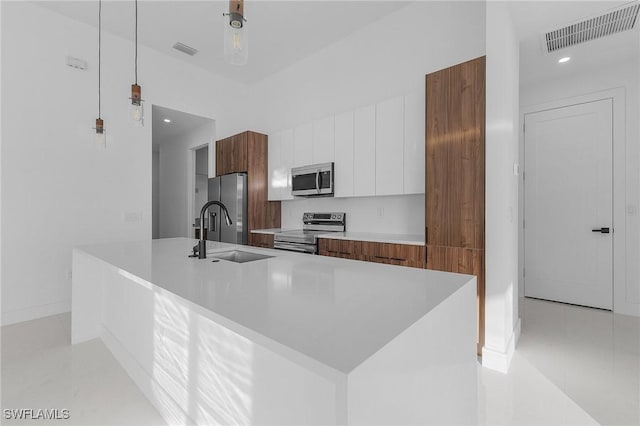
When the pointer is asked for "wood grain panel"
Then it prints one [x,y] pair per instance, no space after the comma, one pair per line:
[464,261]
[393,254]
[455,117]
[455,174]
[261,240]
[262,213]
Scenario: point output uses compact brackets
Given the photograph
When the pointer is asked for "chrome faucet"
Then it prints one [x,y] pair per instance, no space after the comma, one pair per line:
[201,248]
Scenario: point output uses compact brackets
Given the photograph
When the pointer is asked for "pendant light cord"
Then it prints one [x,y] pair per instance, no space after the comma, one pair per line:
[99,51]
[136,42]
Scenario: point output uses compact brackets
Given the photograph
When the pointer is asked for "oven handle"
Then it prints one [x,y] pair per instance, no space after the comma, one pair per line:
[318,181]
[289,247]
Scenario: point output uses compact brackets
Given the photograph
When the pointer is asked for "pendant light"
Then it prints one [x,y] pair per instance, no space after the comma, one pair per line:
[136,112]
[101,136]
[236,37]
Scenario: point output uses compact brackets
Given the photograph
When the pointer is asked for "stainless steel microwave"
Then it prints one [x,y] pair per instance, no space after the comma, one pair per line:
[315,180]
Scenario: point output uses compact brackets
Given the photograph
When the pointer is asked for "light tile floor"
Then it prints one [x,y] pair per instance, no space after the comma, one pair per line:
[573,366]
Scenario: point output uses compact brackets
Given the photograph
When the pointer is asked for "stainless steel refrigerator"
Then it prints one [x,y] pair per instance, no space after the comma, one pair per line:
[230,190]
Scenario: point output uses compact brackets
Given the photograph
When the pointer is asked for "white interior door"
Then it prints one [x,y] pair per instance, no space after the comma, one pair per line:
[568,184]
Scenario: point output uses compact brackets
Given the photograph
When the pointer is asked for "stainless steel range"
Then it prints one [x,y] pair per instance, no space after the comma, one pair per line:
[305,240]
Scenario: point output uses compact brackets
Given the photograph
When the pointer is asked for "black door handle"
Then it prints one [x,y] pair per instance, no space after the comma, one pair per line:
[602,230]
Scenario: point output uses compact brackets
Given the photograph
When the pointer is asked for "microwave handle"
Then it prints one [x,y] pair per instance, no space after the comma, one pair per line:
[318,181]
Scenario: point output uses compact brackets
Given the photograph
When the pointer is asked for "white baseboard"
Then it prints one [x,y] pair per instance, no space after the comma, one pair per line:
[168,408]
[500,361]
[35,312]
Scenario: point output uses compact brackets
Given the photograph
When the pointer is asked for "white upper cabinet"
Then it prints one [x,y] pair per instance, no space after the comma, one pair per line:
[364,152]
[303,145]
[286,160]
[414,140]
[323,136]
[377,150]
[274,157]
[343,168]
[389,146]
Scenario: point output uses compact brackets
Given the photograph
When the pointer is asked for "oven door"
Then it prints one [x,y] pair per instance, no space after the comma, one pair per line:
[312,180]
[297,247]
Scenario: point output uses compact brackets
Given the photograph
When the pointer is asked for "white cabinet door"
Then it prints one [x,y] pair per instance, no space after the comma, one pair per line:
[364,152]
[390,146]
[343,168]
[286,156]
[303,145]
[414,140]
[323,136]
[274,163]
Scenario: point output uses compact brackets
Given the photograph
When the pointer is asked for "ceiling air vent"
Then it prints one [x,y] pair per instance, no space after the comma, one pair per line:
[611,22]
[185,49]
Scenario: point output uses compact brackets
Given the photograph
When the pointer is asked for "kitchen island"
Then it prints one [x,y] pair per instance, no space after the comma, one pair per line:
[288,339]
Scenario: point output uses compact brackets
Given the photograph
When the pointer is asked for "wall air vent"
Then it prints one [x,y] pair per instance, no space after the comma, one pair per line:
[185,49]
[614,21]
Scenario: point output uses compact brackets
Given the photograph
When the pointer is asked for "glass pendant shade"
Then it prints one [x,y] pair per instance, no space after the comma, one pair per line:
[236,39]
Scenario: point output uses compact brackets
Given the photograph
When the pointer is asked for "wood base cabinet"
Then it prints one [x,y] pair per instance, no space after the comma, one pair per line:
[391,254]
[261,240]
[455,173]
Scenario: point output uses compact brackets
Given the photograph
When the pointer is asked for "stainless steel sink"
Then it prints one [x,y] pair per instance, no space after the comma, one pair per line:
[239,256]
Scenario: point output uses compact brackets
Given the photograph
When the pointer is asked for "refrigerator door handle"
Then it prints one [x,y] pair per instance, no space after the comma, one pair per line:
[212,222]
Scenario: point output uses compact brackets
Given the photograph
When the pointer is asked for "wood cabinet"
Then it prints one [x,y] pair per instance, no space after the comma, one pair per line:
[455,170]
[231,155]
[388,253]
[248,152]
[261,240]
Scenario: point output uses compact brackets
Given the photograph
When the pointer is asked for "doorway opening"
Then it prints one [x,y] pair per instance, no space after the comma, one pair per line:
[182,161]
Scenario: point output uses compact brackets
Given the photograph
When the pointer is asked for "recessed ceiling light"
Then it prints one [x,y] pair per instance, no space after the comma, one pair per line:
[166,120]
[563,60]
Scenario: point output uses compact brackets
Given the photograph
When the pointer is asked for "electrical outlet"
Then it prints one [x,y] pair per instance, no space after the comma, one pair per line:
[69,274]
[631,209]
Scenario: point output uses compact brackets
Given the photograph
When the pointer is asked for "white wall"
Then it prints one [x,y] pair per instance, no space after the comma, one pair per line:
[501,246]
[58,189]
[385,59]
[399,214]
[177,180]
[624,75]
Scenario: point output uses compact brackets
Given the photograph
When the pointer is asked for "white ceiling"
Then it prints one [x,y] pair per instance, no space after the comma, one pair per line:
[181,123]
[280,32]
[531,18]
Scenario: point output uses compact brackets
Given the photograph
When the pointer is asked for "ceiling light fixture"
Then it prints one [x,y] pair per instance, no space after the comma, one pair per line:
[136,112]
[166,120]
[236,37]
[101,137]
[563,60]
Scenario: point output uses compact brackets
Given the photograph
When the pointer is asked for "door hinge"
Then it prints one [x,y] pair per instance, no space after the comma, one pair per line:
[523,273]
[523,127]
[523,224]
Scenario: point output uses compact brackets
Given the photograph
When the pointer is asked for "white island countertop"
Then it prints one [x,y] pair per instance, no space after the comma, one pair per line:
[336,311]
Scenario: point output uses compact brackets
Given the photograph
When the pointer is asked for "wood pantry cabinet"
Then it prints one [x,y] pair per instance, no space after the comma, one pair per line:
[455,174]
[388,253]
[247,152]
